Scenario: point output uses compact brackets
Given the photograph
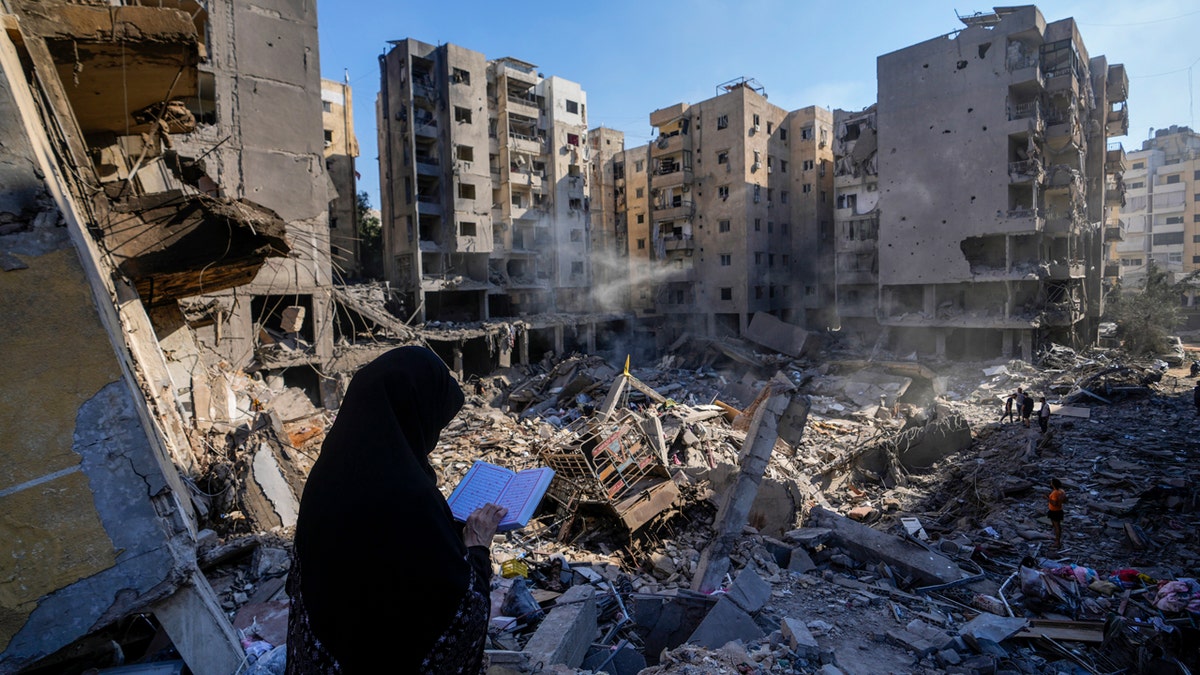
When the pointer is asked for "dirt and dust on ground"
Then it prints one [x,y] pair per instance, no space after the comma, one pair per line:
[913,451]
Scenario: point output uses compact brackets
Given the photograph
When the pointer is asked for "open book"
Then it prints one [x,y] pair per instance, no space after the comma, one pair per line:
[485,483]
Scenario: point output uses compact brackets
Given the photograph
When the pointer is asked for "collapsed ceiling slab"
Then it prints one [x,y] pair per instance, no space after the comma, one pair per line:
[113,60]
[175,245]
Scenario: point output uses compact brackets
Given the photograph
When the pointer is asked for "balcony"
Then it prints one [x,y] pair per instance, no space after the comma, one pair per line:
[1117,121]
[1114,193]
[429,203]
[1061,313]
[1026,117]
[856,277]
[425,126]
[1025,72]
[1059,271]
[1118,83]
[1062,80]
[1115,160]
[677,275]
[666,145]
[669,177]
[424,86]
[526,107]
[428,165]
[1114,234]
[680,209]
[527,177]
[526,144]
[679,242]
[1026,171]
[662,116]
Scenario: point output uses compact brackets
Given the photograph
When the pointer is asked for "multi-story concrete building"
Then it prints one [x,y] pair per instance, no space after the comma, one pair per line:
[484,172]
[1161,216]
[992,174]
[609,230]
[737,212]
[341,151]
[856,221]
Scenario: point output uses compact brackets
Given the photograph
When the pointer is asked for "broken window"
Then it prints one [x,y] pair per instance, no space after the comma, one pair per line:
[461,76]
[466,191]
[464,153]
[723,192]
[572,107]
[806,133]
[770,127]
[726,293]
[641,218]
[575,204]
[641,244]
[723,157]
[722,121]
[573,139]
[723,226]
[808,165]
[516,199]
[807,188]
[783,133]
[756,120]
[466,229]
[618,170]
[328,138]
[462,115]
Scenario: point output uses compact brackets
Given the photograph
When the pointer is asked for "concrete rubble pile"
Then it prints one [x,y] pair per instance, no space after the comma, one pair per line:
[889,535]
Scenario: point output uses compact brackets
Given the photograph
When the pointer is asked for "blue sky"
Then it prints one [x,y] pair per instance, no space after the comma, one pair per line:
[635,57]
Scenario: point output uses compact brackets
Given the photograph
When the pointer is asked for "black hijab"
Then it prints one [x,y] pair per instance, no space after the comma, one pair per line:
[378,548]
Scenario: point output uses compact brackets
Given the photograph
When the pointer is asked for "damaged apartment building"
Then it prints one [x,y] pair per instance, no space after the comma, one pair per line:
[727,214]
[994,179]
[485,202]
[164,228]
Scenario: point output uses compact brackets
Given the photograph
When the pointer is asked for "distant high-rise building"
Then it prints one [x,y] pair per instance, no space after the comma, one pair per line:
[993,169]
[341,151]
[484,184]
[1161,216]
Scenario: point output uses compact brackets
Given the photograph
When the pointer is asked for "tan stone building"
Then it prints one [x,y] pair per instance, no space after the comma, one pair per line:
[993,168]
[484,172]
[1161,216]
[729,212]
[341,153]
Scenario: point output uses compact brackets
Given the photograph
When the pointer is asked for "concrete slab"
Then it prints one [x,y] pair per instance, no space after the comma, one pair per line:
[799,638]
[749,591]
[865,543]
[800,562]
[769,331]
[992,627]
[725,623]
[565,634]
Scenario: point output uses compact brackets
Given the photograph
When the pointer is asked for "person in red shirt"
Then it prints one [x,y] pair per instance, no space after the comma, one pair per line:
[1058,498]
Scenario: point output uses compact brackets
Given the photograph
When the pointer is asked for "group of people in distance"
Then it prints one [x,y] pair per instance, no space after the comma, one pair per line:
[1020,405]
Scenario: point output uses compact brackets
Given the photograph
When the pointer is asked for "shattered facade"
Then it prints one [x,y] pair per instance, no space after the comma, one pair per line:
[484,172]
[1160,216]
[993,173]
[171,217]
[856,219]
[729,213]
[341,153]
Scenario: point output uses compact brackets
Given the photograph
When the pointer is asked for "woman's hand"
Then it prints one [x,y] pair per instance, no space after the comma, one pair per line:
[481,525]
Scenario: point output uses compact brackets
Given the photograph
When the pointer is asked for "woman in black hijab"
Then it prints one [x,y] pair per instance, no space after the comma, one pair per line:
[382,578]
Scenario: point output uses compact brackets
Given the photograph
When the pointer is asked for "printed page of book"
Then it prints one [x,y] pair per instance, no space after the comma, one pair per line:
[522,496]
[483,483]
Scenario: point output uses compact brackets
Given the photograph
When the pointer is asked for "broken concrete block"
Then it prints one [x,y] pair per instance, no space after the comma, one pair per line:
[725,623]
[914,643]
[867,544]
[830,669]
[799,639]
[566,633]
[291,320]
[800,562]
[863,513]
[770,332]
[948,657]
[992,627]
[808,537]
[749,591]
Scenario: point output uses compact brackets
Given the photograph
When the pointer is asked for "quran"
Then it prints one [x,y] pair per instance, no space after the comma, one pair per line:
[518,491]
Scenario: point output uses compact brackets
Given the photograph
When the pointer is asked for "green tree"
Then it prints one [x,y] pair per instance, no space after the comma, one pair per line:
[370,234]
[1146,317]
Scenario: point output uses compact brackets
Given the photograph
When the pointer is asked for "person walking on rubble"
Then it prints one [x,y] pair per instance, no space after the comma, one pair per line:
[1008,414]
[1026,409]
[1044,415]
[1054,511]
[375,541]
